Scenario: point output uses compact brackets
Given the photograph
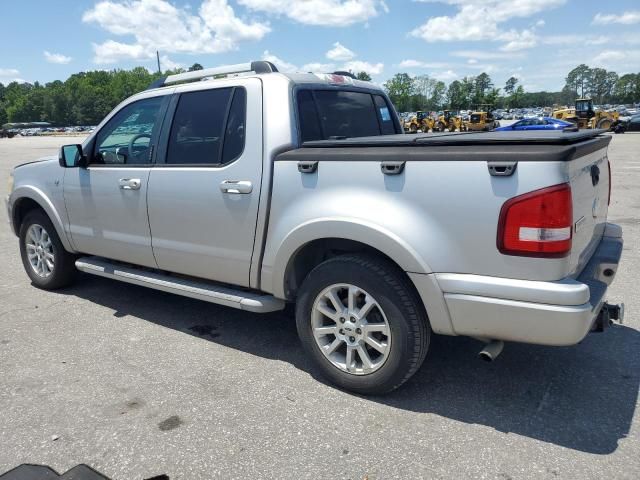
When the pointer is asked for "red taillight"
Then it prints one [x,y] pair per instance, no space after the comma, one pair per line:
[609,168]
[537,224]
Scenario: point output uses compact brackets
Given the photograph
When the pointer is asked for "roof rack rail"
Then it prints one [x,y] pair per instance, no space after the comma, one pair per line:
[261,66]
[345,74]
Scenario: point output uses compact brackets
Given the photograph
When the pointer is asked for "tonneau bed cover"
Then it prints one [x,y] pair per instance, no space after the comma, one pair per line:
[525,146]
[461,138]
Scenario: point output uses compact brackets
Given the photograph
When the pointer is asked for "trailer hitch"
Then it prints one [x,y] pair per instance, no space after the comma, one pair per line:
[608,313]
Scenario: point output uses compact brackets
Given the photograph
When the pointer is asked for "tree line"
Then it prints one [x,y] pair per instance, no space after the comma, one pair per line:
[86,97]
[424,93]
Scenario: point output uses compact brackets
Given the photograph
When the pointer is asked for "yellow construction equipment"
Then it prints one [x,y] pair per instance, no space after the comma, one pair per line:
[584,116]
[482,119]
[448,121]
[421,122]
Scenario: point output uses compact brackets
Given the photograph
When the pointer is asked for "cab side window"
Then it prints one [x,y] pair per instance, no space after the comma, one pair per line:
[126,138]
[208,127]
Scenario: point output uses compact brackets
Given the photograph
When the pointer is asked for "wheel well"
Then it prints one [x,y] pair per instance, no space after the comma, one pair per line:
[317,251]
[21,209]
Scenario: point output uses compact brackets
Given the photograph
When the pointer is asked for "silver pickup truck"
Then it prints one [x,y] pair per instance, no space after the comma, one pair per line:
[254,189]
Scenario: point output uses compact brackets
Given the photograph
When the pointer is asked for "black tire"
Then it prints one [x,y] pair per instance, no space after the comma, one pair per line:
[64,270]
[405,314]
[604,123]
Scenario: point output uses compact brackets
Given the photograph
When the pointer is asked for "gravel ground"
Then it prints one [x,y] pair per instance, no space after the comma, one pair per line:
[138,383]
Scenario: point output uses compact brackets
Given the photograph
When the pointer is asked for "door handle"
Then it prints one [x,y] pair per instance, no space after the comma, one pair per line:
[236,186]
[129,183]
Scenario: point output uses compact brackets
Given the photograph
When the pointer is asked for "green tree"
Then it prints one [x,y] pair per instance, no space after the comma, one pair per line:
[195,66]
[455,96]
[517,99]
[467,86]
[481,85]
[400,89]
[627,88]
[578,80]
[510,86]
[492,96]
[363,76]
[437,97]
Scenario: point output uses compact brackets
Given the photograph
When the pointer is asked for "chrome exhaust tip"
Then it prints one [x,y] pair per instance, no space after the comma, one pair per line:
[491,350]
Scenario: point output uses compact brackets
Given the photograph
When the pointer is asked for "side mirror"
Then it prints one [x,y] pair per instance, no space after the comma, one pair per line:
[71,156]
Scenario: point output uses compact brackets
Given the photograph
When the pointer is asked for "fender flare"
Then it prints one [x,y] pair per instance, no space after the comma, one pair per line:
[38,196]
[370,234]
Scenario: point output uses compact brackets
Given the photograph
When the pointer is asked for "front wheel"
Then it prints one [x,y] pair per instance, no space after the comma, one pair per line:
[363,324]
[45,260]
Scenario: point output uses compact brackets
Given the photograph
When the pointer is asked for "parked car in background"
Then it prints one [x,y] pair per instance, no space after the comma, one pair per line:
[633,124]
[542,123]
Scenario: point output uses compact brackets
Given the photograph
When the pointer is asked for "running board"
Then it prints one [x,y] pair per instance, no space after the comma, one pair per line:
[199,289]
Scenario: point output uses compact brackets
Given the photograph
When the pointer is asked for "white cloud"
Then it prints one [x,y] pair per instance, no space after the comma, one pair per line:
[9,72]
[8,75]
[481,20]
[519,40]
[485,54]
[318,67]
[56,58]
[617,60]
[159,25]
[351,65]
[357,66]
[333,13]
[627,18]
[411,63]
[578,39]
[283,66]
[340,53]
[445,76]
[167,64]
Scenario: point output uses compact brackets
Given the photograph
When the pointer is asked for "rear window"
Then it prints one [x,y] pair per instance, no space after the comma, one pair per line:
[475,118]
[326,114]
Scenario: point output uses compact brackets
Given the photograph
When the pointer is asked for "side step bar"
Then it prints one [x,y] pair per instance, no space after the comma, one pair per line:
[199,289]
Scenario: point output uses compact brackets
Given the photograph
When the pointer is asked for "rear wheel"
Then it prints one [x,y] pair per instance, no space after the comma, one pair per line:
[44,258]
[362,323]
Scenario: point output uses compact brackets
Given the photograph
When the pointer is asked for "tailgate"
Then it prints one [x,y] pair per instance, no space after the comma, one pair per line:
[589,177]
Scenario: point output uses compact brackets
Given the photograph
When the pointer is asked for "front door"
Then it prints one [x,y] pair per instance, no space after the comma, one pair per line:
[203,198]
[107,201]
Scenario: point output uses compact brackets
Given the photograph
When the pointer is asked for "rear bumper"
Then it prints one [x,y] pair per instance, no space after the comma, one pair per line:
[546,313]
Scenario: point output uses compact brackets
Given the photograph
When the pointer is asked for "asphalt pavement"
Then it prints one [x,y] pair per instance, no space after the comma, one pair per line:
[137,383]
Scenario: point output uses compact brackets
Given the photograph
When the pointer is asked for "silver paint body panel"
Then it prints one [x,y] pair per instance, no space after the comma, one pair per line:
[436,220]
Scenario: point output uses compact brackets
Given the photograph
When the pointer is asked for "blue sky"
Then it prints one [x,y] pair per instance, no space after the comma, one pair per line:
[538,41]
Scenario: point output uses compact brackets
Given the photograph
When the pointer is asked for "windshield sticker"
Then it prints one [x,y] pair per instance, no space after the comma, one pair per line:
[384,113]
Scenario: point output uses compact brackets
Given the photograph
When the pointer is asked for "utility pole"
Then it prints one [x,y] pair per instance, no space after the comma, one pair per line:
[158,58]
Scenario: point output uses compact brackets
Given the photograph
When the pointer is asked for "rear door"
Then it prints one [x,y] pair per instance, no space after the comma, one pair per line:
[203,196]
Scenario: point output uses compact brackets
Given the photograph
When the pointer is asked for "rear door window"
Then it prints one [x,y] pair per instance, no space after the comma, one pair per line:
[326,114]
[208,127]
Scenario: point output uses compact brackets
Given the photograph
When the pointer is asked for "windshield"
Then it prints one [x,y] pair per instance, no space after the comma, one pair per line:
[582,105]
[326,114]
